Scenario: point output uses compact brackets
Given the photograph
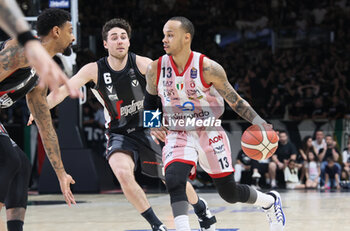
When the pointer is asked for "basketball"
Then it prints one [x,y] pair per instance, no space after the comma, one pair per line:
[259,142]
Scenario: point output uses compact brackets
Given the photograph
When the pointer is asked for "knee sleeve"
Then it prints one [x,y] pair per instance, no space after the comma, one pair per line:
[9,165]
[176,177]
[18,191]
[230,191]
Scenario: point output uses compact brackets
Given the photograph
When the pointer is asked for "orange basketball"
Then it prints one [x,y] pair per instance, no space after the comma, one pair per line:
[259,142]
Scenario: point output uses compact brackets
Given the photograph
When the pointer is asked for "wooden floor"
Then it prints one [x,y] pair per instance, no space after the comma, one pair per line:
[311,210]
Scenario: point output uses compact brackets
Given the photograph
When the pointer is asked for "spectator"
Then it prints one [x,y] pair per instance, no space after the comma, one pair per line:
[331,151]
[307,146]
[260,171]
[336,109]
[279,161]
[313,170]
[243,163]
[291,176]
[319,111]
[296,110]
[275,106]
[303,157]
[331,175]
[319,142]
[346,162]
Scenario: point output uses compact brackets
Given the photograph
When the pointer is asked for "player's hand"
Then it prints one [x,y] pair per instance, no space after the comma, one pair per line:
[49,72]
[268,125]
[65,181]
[30,119]
[159,134]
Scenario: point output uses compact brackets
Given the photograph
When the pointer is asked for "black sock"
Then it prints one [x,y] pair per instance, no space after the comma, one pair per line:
[151,217]
[199,207]
[15,225]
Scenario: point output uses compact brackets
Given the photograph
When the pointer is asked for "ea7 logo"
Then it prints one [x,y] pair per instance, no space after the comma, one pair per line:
[215,139]
[167,83]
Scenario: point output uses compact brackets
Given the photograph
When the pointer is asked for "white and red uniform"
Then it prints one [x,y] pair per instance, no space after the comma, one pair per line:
[187,95]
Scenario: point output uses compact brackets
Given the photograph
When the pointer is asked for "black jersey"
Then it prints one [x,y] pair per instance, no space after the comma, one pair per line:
[122,94]
[17,85]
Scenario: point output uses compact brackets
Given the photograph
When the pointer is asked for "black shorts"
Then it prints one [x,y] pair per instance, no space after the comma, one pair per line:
[143,148]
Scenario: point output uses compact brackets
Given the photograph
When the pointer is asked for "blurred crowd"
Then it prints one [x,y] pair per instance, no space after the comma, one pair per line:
[307,79]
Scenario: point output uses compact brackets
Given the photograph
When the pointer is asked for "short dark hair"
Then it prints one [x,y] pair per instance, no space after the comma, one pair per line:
[284,131]
[49,18]
[186,24]
[116,22]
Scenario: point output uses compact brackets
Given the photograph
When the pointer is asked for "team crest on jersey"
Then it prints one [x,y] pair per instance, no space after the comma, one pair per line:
[192,84]
[193,73]
[134,82]
[110,88]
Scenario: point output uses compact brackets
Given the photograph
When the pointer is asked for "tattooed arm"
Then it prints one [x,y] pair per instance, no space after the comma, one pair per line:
[11,58]
[151,78]
[214,73]
[38,106]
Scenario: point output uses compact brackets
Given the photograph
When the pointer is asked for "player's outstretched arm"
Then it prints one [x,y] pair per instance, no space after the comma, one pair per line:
[85,74]
[214,73]
[12,21]
[37,104]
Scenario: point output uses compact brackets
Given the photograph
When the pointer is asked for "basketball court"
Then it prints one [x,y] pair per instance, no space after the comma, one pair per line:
[305,210]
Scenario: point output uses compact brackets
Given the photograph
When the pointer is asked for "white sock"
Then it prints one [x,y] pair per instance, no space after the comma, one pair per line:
[182,223]
[238,172]
[264,200]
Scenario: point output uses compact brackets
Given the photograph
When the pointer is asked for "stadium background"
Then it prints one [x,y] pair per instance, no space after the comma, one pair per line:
[289,59]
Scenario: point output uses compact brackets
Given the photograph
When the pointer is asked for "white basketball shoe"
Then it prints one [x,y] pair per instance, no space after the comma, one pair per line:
[275,213]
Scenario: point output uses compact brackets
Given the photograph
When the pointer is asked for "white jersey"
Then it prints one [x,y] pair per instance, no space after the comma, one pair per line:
[187,95]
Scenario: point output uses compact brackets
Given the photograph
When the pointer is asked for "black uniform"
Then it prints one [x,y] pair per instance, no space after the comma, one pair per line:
[14,165]
[122,94]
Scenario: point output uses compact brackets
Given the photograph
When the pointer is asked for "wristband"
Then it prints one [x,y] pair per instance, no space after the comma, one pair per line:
[150,102]
[258,120]
[24,37]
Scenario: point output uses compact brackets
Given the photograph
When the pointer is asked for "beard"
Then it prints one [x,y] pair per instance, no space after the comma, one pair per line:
[67,51]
